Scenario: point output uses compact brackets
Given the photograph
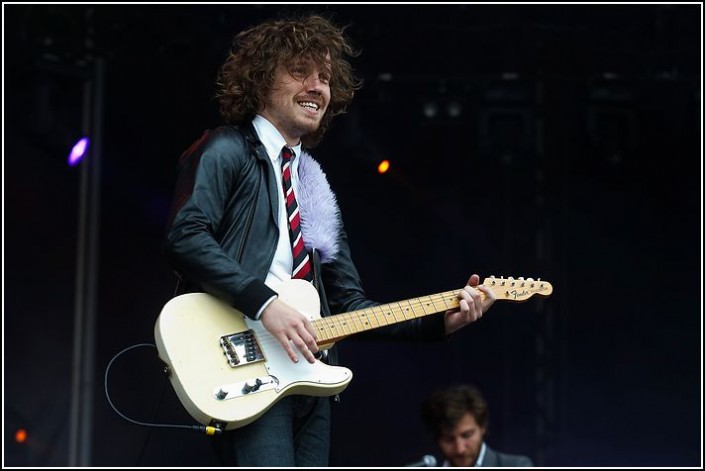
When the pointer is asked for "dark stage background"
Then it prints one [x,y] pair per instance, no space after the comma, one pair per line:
[561,142]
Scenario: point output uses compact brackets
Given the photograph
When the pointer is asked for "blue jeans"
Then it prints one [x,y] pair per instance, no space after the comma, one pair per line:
[294,432]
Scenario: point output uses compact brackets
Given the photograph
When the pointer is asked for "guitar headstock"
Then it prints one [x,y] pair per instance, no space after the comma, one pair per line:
[519,289]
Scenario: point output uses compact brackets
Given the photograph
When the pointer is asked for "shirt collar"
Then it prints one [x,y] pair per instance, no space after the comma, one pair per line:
[481,456]
[271,138]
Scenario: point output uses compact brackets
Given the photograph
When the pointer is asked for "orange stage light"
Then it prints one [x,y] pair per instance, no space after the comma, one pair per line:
[383,166]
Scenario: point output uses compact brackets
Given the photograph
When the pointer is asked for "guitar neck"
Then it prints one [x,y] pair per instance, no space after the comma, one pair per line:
[333,328]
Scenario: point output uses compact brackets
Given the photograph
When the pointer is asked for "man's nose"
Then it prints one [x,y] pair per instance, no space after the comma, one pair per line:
[314,84]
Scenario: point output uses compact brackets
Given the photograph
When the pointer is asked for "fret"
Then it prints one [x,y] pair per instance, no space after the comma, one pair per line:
[389,314]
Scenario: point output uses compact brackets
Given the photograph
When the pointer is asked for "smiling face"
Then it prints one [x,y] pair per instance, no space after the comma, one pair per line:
[298,99]
[461,443]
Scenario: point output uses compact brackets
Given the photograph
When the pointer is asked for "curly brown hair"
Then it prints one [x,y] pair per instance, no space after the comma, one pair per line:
[248,74]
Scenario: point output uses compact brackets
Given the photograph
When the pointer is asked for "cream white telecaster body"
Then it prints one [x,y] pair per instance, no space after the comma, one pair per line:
[227,370]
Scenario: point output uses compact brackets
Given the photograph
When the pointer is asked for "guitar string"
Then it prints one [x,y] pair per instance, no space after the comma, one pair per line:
[378,316]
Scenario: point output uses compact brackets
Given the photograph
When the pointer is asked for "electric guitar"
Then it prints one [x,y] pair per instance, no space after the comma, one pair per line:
[228,370]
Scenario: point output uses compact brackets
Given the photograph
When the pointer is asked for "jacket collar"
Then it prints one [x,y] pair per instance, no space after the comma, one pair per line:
[248,131]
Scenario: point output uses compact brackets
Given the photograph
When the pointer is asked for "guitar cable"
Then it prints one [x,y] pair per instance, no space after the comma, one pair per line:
[208,430]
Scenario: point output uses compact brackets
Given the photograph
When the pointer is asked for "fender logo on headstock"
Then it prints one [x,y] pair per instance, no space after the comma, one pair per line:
[518,289]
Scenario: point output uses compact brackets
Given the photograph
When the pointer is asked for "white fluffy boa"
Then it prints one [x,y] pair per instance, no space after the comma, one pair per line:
[318,208]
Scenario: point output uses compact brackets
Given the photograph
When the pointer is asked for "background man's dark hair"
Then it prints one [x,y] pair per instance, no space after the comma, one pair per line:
[443,409]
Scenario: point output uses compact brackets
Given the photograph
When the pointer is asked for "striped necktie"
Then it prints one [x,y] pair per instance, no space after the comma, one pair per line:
[302,262]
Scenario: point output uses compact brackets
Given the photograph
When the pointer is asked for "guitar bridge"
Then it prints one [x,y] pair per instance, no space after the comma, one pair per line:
[241,348]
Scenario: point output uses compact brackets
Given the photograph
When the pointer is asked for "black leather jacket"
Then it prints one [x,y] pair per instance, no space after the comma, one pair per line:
[223,234]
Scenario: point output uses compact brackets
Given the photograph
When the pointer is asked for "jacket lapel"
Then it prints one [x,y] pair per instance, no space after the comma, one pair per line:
[264,160]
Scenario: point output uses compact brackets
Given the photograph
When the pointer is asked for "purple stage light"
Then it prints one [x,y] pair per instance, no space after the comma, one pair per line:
[78,151]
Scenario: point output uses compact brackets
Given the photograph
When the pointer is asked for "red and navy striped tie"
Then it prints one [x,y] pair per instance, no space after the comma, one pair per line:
[302,263]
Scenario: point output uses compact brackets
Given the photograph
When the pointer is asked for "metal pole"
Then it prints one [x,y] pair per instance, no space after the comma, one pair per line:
[82,386]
